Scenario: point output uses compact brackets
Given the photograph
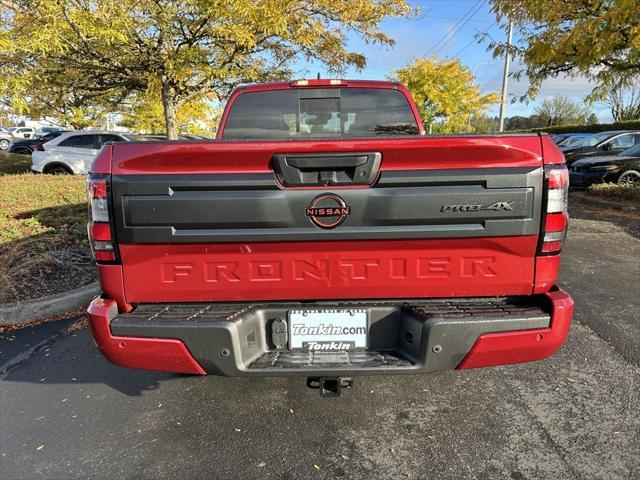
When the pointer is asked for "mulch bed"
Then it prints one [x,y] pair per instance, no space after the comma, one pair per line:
[43,269]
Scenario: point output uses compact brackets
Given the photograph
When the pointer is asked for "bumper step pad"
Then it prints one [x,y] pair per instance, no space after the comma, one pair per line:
[362,359]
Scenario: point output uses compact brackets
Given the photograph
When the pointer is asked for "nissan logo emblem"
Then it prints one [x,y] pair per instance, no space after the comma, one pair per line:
[327,210]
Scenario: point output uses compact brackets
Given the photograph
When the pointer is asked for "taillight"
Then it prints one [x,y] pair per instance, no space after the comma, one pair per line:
[99,228]
[38,147]
[556,218]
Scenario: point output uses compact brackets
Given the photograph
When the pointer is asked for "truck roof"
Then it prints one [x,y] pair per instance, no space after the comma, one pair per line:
[314,83]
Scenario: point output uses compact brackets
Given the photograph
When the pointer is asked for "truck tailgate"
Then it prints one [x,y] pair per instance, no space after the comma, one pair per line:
[454,216]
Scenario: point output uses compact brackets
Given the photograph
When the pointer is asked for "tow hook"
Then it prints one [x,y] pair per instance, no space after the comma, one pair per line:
[329,386]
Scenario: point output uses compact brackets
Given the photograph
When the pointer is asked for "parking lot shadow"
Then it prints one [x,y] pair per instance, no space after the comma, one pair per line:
[48,355]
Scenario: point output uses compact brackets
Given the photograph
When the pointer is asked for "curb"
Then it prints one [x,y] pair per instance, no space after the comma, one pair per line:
[586,199]
[29,310]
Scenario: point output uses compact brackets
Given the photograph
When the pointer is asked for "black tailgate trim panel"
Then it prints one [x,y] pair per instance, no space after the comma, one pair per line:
[252,208]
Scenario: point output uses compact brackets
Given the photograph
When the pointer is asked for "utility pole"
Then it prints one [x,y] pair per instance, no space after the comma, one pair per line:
[505,76]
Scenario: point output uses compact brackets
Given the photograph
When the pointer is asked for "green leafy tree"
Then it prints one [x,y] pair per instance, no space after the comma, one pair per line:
[483,123]
[562,111]
[592,119]
[191,49]
[624,100]
[445,94]
[599,39]
[518,122]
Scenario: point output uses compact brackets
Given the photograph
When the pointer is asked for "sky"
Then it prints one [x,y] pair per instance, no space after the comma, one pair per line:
[417,37]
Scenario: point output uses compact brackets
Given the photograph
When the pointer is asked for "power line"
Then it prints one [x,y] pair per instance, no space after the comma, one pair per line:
[473,41]
[460,27]
[469,13]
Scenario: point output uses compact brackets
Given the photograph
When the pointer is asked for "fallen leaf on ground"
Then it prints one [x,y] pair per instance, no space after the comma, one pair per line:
[79,325]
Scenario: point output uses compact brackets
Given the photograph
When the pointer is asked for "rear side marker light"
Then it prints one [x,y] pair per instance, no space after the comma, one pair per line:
[553,246]
[101,231]
[557,177]
[555,222]
[104,256]
[98,188]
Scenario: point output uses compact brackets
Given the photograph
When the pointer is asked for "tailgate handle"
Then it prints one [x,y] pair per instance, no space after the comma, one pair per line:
[318,163]
[323,169]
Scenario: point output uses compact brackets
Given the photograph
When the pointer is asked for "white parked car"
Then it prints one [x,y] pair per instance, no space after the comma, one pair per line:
[23,132]
[72,152]
[5,138]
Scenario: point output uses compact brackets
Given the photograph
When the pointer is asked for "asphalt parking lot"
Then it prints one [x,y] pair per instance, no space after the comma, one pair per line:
[67,413]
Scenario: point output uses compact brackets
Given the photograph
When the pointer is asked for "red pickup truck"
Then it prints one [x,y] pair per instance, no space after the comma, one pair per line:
[323,234]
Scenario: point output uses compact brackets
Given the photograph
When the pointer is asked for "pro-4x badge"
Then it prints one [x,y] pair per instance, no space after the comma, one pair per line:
[495,207]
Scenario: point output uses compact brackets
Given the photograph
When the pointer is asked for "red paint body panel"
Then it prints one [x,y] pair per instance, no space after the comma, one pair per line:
[329,270]
[546,273]
[398,153]
[524,346]
[552,154]
[162,354]
[112,283]
[102,162]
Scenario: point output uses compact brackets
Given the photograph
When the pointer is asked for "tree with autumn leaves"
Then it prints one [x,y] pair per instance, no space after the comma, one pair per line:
[105,53]
[597,39]
[445,93]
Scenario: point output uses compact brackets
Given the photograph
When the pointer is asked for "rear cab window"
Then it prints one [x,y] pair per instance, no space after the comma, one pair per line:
[319,112]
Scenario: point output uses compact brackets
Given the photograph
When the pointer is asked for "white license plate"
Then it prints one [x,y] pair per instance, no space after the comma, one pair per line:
[328,330]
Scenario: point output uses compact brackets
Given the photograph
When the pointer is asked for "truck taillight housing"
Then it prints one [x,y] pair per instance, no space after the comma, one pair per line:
[556,218]
[99,229]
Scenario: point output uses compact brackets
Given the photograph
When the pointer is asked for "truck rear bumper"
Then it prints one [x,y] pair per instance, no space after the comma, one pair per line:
[412,336]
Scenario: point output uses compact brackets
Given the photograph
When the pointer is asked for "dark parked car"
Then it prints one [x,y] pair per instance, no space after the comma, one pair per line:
[571,139]
[560,138]
[621,168]
[26,146]
[603,143]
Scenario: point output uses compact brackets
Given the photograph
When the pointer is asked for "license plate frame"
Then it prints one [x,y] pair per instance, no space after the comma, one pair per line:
[316,329]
